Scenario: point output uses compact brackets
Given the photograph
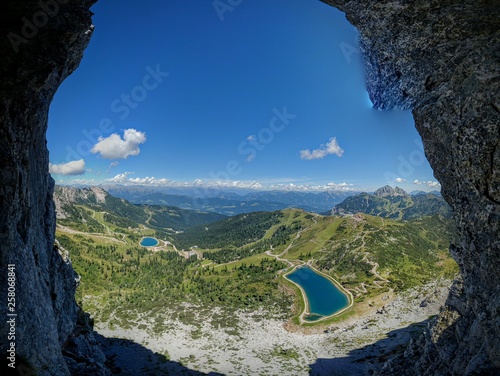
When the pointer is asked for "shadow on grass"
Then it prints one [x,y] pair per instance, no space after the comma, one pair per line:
[127,358]
[366,360]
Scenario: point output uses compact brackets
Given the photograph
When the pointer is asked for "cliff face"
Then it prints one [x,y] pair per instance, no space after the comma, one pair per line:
[42,42]
[441,58]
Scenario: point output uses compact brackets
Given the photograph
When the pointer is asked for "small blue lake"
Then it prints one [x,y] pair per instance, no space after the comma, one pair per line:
[149,242]
[323,296]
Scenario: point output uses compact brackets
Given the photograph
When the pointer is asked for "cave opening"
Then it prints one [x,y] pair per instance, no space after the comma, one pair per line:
[448,136]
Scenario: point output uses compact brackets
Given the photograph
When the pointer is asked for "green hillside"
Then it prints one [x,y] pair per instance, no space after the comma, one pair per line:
[406,253]
[231,232]
[237,262]
[78,208]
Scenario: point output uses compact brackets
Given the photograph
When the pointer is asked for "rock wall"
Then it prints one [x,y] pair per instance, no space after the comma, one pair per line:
[41,43]
[441,58]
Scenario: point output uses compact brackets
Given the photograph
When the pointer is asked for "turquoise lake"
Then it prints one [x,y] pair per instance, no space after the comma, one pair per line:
[323,296]
[149,242]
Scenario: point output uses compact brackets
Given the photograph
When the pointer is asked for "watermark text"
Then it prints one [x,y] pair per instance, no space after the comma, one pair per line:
[11,315]
[224,6]
[122,106]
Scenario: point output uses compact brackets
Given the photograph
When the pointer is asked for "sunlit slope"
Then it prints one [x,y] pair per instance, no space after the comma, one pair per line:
[86,209]
[358,250]
[237,262]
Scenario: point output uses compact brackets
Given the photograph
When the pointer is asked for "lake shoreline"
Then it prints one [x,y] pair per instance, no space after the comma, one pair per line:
[305,299]
[148,238]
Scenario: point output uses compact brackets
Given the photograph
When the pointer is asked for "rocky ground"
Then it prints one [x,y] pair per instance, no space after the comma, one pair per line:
[261,346]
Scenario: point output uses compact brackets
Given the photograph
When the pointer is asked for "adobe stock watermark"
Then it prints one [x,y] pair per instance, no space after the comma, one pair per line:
[224,6]
[350,49]
[248,150]
[11,315]
[407,165]
[122,107]
[255,143]
[39,19]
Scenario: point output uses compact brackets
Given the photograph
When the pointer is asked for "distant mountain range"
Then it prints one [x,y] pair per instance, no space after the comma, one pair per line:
[141,205]
[78,207]
[418,193]
[394,203]
[230,202]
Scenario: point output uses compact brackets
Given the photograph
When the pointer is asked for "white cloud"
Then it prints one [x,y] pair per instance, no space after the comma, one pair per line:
[251,156]
[149,181]
[114,147]
[313,187]
[433,184]
[400,180]
[429,183]
[340,186]
[152,181]
[331,147]
[125,179]
[70,168]
[120,178]
[234,184]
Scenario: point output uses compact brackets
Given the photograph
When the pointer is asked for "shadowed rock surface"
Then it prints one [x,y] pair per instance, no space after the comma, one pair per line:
[53,336]
[441,58]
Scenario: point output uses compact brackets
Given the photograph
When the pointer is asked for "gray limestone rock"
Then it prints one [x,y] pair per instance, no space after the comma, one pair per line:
[441,58]
[35,60]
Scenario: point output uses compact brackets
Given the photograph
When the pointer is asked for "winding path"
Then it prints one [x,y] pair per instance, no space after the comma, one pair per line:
[94,234]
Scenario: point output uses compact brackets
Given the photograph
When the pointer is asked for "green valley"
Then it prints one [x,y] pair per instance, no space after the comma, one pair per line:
[235,263]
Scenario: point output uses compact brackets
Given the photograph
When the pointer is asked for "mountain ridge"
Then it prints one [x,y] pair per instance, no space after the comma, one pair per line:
[231,202]
[387,190]
[119,211]
[394,203]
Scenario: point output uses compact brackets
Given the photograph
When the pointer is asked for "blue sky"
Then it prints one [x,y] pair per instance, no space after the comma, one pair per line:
[261,93]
